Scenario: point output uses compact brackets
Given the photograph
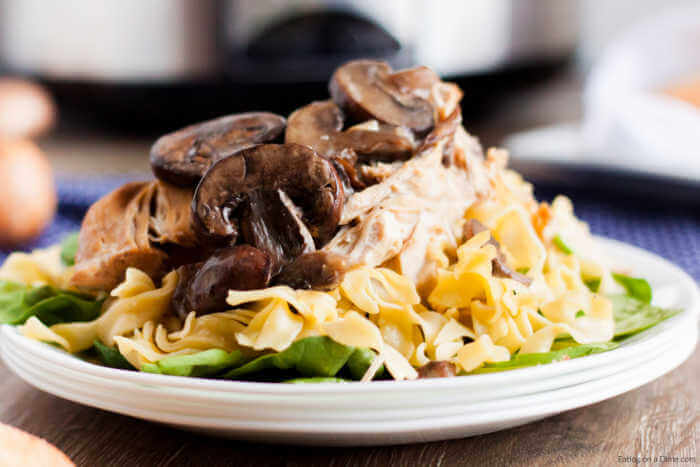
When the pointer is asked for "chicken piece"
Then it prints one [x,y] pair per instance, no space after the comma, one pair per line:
[380,171]
[125,229]
[469,156]
[171,221]
[421,204]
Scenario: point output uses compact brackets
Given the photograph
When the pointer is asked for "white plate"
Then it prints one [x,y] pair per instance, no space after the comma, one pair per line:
[380,412]
[557,154]
[476,419]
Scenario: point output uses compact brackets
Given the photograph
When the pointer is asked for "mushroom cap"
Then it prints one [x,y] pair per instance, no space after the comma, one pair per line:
[319,270]
[316,125]
[182,157]
[320,124]
[203,286]
[284,198]
[366,89]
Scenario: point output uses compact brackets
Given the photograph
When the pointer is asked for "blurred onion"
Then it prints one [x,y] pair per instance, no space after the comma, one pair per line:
[27,192]
[26,109]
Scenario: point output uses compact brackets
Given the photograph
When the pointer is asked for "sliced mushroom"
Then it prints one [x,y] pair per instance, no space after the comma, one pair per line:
[283,198]
[367,89]
[319,270]
[346,167]
[203,287]
[179,300]
[445,131]
[500,267]
[320,126]
[272,222]
[419,81]
[182,157]
[437,369]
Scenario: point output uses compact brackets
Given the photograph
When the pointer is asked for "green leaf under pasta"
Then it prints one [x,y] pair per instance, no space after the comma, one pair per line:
[360,361]
[69,247]
[110,356]
[316,379]
[318,356]
[636,287]
[206,363]
[593,284]
[633,316]
[566,352]
[19,302]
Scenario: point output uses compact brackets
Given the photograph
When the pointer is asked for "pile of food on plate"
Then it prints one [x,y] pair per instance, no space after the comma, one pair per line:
[363,237]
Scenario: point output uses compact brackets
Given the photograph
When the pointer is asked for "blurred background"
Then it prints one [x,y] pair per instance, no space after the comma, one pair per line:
[599,99]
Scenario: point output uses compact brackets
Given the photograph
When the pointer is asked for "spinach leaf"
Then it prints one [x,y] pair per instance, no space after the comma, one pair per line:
[636,287]
[564,352]
[593,284]
[111,357]
[359,363]
[205,363]
[19,302]
[316,379]
[312,356]
[563,247]
[633,316]
[69,247]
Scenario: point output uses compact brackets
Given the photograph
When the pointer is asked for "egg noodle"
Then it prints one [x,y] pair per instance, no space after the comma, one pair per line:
[469,317]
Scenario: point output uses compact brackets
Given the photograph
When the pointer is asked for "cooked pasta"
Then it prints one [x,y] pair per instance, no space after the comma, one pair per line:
[40,267]
[132,304]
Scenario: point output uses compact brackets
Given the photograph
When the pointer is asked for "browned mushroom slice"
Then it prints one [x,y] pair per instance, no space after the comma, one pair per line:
[283,198]
[320,124]
[419,81]
[182,157]
[319,270]
[114,236]
[444,131]
[374,141]
[437,369]
[366,90]
[203,287]
[500,267]
[346,167]
[179,300]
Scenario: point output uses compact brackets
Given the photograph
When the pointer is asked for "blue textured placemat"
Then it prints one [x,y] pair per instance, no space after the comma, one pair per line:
[671,231]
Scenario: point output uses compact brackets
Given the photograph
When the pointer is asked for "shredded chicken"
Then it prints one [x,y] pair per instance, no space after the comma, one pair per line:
[380,171]
[421,203]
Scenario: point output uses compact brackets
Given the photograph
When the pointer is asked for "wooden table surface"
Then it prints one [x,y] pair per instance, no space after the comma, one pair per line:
[659,419]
